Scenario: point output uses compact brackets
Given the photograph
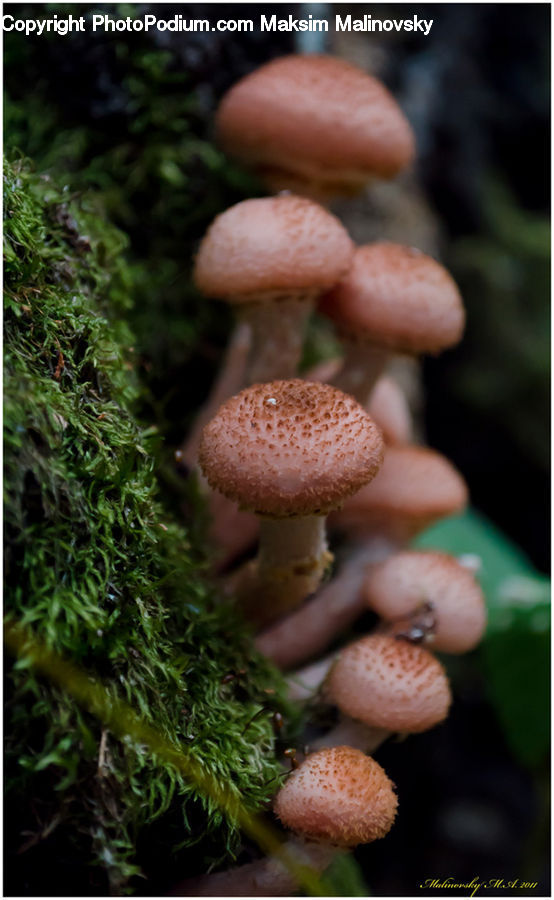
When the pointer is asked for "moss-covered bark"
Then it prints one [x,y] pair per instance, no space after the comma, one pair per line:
[99,570]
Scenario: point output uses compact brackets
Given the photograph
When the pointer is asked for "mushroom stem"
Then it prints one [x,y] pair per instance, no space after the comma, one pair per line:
[291,562]
[354,734]
[228,381]
[277,324]
[267,877]
[308,630]
[305,683]
[363,366]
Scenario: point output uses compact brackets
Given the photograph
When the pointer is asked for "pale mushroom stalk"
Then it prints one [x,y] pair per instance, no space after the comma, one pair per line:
[267,877]
[292,559]
[298,543]
[362,367]
[356,734]
[229,380]
[308,630]
[277,325]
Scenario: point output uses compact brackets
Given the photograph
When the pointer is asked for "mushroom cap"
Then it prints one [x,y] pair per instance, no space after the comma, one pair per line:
[389,408]
[317,117]
[389,683]
[397,586]
[338,796]
[290,448]
[414,487]
[272,245]
[397,297]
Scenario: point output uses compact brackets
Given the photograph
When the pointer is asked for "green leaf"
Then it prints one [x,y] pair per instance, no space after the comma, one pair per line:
[516,650]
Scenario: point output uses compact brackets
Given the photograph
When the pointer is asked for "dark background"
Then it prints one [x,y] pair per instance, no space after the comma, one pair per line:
[476,90]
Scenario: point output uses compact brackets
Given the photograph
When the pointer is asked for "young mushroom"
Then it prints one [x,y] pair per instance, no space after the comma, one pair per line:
[415,487]
[316,125]
[387,684]
[336,799]
[414,580]
[394,299]
[337,796]
[272,258]
[289,451]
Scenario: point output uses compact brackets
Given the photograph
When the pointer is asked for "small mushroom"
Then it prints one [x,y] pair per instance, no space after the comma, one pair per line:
[272,258]
[316,125]
[388,685]
[404,583]
[338,796]
[415,487]
[289,451]
[334,800]
[394,299]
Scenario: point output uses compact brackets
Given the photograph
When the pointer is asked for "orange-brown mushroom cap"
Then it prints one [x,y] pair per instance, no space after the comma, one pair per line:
[400,584]
[389,683]
[318,118]
[338,796]
[414,487]
[290,448]
[397,297]
[269,246]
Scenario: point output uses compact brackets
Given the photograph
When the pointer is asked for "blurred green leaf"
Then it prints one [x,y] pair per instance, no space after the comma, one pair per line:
[516,649]
[344,878]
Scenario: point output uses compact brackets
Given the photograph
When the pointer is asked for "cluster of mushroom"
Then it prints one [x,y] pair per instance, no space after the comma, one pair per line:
[287,452]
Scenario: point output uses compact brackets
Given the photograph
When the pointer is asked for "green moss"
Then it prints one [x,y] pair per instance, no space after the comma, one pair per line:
[101,572]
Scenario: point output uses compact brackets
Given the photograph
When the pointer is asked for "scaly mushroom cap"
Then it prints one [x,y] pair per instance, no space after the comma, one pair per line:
[338,796]
[271,246]
[403,582]
[290,448]
[389,683]
[317,118]
[415,487]
[397,297]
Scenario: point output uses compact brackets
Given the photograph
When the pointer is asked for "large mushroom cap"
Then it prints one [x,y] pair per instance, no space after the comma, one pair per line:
[389,683]
[339,796]
[317,118]
[271,245]
[290,448]
[414,487]
[400,584]
[397,297]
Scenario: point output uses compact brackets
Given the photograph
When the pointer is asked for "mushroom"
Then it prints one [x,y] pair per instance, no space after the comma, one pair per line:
[314,124]
[337,796]
[272,258]
[415,487]
[394,299]
[289,451]
[387,685]
[336,799]
[409,581]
